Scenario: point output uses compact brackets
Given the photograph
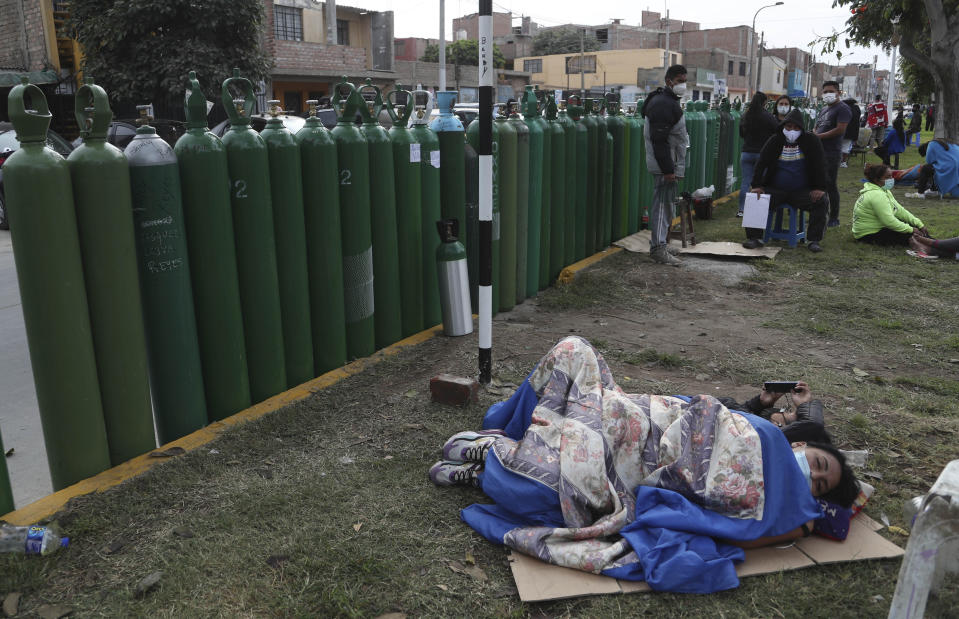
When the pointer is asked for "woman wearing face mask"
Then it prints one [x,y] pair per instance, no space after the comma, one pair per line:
[757,126]
[784,105]
[877,217]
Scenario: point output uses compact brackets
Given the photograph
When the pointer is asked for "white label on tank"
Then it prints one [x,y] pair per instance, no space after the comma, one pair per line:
[435,158]
[414,153]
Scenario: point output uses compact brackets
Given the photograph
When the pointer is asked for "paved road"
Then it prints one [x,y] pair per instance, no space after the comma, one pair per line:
[19,415]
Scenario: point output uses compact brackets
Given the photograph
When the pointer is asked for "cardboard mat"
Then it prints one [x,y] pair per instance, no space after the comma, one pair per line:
[639,243]
[538,581]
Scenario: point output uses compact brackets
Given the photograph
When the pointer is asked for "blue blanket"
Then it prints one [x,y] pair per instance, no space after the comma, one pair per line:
[669,538]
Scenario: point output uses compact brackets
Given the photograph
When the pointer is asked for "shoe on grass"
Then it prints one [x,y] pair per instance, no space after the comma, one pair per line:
[449,473]
[661,255]
[739,214]
[833,223]
[753,244]
[814,247]
[470,446]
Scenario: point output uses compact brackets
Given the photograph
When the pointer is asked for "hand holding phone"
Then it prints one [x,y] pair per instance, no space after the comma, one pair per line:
[780,386]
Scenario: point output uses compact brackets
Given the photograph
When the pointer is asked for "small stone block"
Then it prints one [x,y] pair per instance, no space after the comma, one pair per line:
[453,390]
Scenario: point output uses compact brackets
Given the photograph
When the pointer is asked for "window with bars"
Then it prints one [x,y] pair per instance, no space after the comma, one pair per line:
[742,68]
[287,23]
[588,64]
[730,71]
[342,32]
[533,66]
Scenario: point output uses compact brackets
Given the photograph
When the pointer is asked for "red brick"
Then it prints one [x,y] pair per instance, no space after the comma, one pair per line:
[453,390]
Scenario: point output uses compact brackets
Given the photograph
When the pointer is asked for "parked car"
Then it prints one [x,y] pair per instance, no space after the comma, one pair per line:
[258,122]
[8,145]
[121,132]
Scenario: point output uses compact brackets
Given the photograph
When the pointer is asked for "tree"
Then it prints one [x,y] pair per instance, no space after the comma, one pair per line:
[464,52]
[917,81]
[908,23]
[142,50]
[563,40]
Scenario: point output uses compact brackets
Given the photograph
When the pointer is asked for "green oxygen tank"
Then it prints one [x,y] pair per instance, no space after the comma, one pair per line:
[557,209]
[324,249]
[723,161]
[407,155]
[712,145]
[646,181]
[504,234]
[354,182]
[471,178]
[176,373]
[569,174]
[430,206]
[6,492]
[471,229]
[619,167]
[289,226]
[522,200]
[582,173]
[46,250]
[388,323]
[637,161]
[603,165]
[592,176]
[546,209]
[736,115]
[535,193]
[607,230]
[696,129]
[205,182]
[253,228]
[450,133]
[101,193]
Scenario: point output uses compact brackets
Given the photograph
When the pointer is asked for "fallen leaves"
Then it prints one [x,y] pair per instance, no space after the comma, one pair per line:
[473,571]
[358,526]
[11,604]
[147,584]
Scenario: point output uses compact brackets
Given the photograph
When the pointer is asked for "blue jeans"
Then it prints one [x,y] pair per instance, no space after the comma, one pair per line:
[747,162]
[661,211]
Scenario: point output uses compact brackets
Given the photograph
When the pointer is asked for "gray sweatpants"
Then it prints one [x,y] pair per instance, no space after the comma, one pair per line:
[661,211]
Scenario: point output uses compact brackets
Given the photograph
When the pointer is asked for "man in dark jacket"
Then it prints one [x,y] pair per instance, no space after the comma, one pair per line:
[805,424]
[791,169]
[666,143]
[851,136]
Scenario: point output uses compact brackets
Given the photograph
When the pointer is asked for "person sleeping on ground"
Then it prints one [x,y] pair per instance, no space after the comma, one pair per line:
[668,490]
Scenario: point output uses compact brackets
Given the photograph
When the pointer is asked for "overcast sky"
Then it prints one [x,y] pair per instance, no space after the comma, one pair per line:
[794,24]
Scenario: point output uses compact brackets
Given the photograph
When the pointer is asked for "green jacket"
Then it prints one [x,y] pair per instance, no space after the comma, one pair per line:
[876,209]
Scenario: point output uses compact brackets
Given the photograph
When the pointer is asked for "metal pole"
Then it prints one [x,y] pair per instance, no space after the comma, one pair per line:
[752,44]
[759,65]
[485,153]
[331,22]
[582,60]
[666,52]
[892,79]
[442,46]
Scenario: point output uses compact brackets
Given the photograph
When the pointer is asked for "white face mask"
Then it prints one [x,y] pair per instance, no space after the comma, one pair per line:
[679,89]
[791,135]
[803,463]
[829,98]
[783,109]
[889,184]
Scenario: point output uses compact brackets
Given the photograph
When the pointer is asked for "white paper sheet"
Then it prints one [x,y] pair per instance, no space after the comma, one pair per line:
[755,210]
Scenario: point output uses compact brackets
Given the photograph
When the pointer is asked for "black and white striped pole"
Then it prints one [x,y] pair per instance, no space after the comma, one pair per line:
[485,152]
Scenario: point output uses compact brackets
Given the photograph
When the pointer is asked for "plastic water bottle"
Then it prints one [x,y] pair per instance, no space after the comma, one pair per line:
[34,540]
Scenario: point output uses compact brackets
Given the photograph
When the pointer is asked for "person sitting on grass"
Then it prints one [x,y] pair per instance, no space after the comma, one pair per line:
[636,486]
[944,158]
[806,423]
[893,143]
[941,248]
[791,169]
[877,217]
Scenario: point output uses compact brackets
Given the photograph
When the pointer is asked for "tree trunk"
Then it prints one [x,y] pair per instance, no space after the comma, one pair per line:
[945,58]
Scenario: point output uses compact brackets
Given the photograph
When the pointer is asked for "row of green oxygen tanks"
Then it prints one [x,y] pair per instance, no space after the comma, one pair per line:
[220,272]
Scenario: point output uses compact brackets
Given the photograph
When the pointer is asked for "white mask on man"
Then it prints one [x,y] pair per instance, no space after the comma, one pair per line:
[791,135]
[829,98]
[679,89]
[783,109]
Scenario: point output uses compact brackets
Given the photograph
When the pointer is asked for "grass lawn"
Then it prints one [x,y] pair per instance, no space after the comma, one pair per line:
[323,509]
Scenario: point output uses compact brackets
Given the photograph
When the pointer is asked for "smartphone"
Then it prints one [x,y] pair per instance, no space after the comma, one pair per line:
[780,386]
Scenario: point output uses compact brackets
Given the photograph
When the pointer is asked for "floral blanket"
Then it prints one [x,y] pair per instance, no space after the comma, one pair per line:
[566,482]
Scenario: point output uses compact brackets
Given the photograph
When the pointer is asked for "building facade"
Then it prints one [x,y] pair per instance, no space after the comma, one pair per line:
[307,61]
[595,70]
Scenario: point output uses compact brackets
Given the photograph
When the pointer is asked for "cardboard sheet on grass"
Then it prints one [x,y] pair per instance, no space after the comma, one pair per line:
[639,243]
[538,581]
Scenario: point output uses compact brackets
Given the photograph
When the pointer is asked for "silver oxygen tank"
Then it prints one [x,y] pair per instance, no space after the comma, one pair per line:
[453,276]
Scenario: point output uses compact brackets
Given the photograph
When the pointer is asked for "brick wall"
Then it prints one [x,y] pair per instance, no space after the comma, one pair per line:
[502,25]
[22,45]
[309,58]
[734,40]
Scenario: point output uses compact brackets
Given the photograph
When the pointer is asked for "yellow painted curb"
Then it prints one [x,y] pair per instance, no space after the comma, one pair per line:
[49,505]
[568,273]
[726,198]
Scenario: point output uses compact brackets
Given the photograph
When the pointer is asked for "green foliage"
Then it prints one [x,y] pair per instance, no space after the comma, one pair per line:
[918,82]
[563,41]
[465,52]
[142,50]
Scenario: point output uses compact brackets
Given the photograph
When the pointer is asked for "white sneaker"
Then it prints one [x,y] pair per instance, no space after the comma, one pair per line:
[843,164]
